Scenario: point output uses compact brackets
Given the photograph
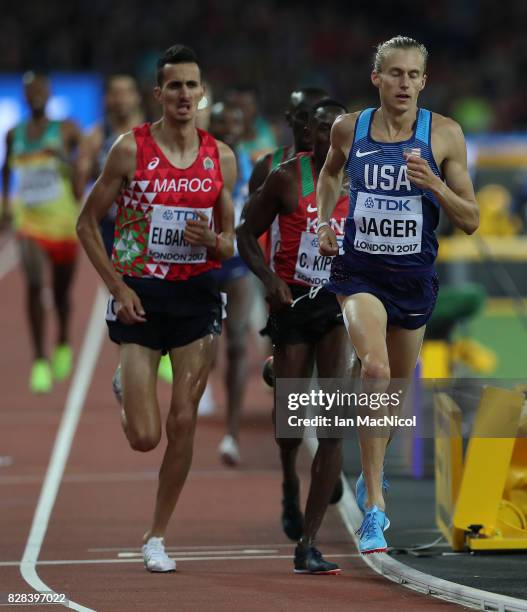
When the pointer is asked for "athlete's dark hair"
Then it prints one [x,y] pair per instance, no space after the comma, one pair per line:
[398,42]
[109,80]
[177,54]
[298,96]
[33,75]
[328,103]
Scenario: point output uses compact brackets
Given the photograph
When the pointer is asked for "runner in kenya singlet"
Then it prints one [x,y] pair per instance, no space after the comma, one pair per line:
[297,260]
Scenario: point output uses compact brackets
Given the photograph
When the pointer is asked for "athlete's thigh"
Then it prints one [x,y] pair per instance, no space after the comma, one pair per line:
[335,355]
[63,274]
[191,365]
[404,346]
[366,320]
[293,360]
[239,301]
[139,366]
[32,256]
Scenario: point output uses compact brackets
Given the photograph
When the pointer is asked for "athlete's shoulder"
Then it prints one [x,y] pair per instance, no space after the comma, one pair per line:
[225,152]
[445,125]
[124,149]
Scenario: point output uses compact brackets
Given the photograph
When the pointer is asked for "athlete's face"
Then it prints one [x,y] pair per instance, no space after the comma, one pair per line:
[320,129]
[227,125]
[180,91]
[37,94]
[122,97]
[298,119]
[400,79]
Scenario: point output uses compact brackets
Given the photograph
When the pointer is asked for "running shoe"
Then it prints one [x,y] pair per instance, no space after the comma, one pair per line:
[155,557]
[338,492]
[229,451]
[309,560]
[361,493]
[268,371]
[165,369]
[62,361]
[41,378]
[371,532]
[292,518]
[117,386]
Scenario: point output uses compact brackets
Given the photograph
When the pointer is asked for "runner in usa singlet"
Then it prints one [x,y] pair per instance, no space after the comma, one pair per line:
[391,222]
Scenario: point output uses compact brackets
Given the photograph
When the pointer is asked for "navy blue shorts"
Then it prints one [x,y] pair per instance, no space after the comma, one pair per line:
[177,312]
[231,269]
[409,297]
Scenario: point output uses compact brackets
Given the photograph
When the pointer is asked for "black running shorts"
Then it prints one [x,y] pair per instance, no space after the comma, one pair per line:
[177,312]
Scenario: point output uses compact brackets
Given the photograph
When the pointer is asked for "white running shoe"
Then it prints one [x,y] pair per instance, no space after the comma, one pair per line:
[206,404]
[155,557]
[117,386]
[229,451]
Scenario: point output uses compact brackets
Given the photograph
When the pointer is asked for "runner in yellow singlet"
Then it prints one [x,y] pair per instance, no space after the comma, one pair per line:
[40,151]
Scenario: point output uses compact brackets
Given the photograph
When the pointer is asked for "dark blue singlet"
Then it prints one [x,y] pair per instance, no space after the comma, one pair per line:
[390,244]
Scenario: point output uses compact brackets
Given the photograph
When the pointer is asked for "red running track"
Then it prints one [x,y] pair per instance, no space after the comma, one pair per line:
[225,533]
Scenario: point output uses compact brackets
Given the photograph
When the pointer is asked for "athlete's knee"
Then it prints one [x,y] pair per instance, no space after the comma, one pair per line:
[181,422]
[375,369]
[330,444]
[34,286]
[237,345]
[143,440]
[288,445]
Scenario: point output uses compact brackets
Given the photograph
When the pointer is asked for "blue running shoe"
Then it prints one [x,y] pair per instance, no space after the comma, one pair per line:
[371,532]
[361,494]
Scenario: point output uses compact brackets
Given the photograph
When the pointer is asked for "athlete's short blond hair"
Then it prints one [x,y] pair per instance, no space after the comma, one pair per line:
[398,42]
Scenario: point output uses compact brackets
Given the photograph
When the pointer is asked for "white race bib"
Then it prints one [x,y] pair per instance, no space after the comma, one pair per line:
[388,225]
[39,185]
[165,241]
[311,267]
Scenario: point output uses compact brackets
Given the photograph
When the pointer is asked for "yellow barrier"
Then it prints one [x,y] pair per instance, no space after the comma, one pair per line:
[488,503]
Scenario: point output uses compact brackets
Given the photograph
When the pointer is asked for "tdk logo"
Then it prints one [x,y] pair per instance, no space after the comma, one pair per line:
[168,215]
[314,242]
[388,204]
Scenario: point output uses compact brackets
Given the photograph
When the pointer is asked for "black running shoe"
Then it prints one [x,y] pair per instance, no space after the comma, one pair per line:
[268,371]
[292,518]
[338,492]
[309,560]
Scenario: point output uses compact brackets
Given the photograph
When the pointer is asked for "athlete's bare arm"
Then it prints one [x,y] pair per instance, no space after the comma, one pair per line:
[198,232]
[456,193]
[260,172]
[330,180]
[5,213]
[89,149]
[72,136]
[118,171]
[277,195]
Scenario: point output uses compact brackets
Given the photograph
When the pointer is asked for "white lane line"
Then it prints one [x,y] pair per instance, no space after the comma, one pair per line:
[68,425]
[211,553]
[8,258]
[182,559]
[233,548]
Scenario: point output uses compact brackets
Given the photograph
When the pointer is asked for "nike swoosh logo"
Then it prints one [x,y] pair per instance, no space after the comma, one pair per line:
[416,314]
[312,208]
[360,153]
